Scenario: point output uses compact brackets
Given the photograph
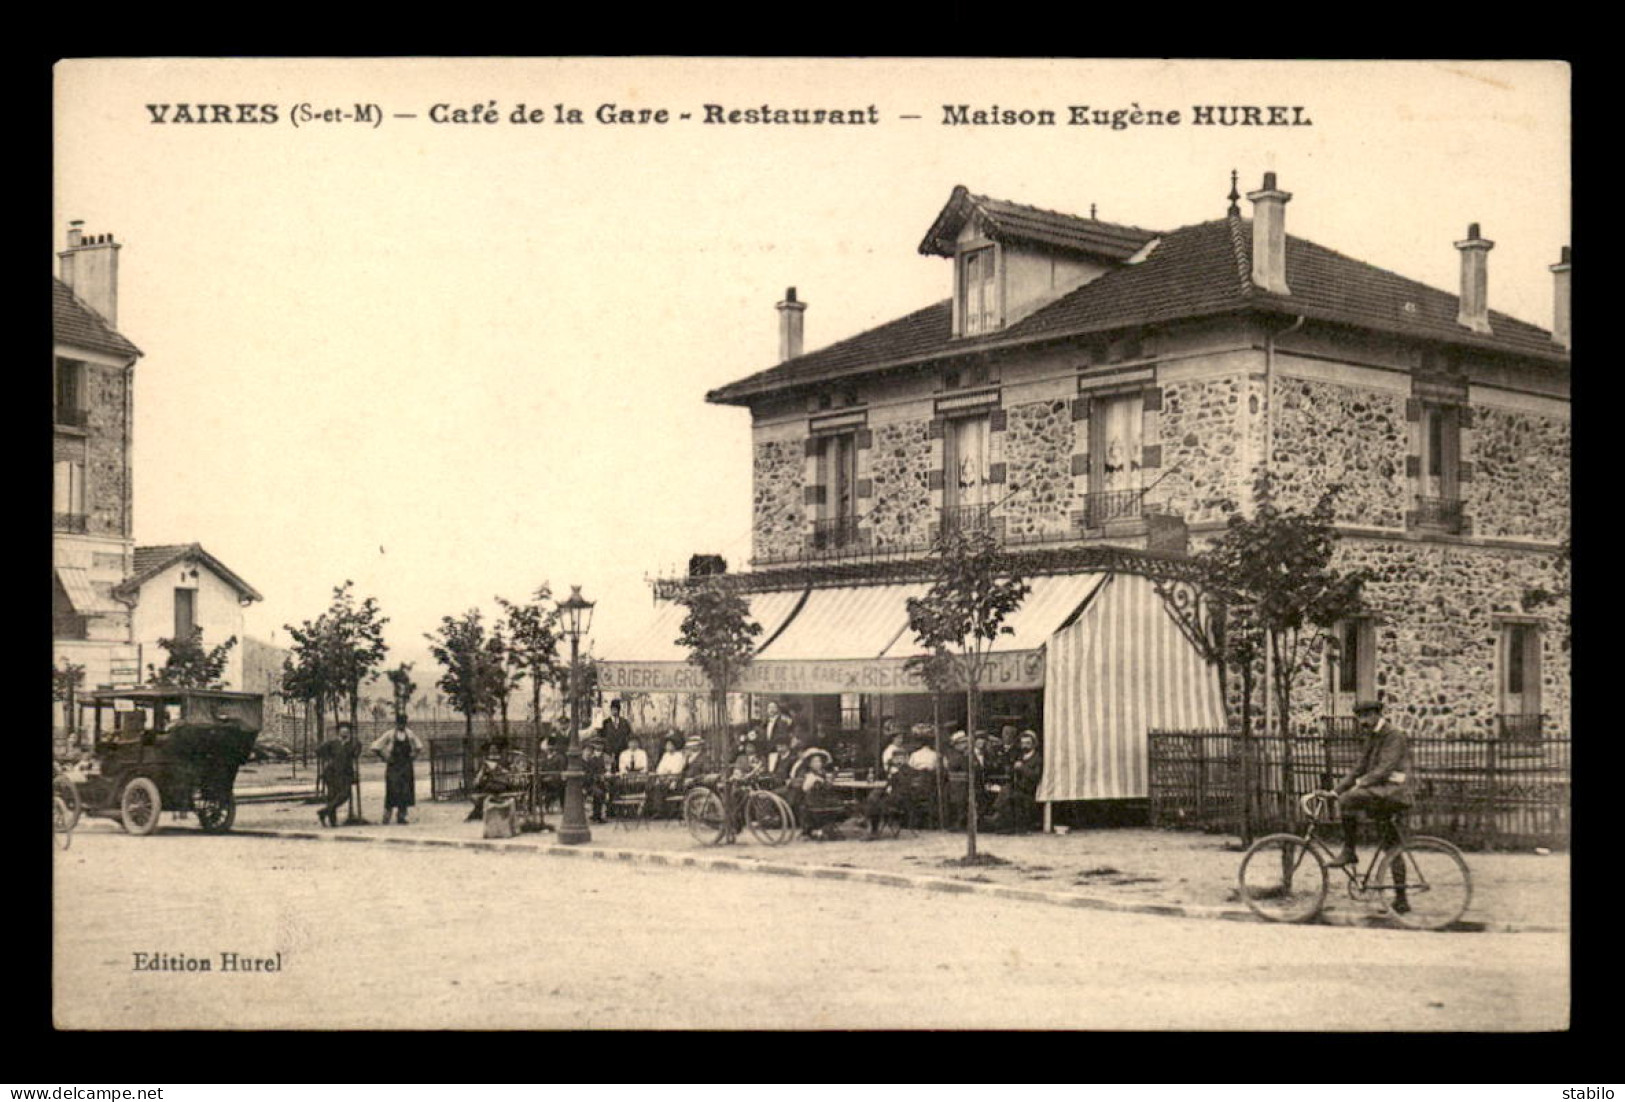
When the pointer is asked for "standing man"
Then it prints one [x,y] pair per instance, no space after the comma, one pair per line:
[615,733]
[1378,786]
[338,757]
[778,727]
[398,749]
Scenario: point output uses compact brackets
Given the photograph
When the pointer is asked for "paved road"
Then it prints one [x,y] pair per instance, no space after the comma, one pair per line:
[375,936]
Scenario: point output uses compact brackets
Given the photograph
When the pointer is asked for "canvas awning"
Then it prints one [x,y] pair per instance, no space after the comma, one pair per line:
[650,660]
[1117,672]
[81,593]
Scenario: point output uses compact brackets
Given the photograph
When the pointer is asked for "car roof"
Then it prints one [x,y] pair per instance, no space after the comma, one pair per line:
[160,692]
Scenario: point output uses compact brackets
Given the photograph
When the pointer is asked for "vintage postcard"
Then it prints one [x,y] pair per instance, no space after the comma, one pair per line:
[951,543]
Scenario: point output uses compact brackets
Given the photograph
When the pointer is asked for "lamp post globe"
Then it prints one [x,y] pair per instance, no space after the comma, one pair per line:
[575,620]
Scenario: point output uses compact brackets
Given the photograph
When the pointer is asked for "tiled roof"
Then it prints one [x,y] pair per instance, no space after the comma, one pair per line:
[152,561]
[72,322]
[1004,221]
[1196,271]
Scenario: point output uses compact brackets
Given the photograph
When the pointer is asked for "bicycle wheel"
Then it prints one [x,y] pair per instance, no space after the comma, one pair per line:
[706,818]
[64,789]
[1425,885]
[62,820]
[770,819]
[1283,879]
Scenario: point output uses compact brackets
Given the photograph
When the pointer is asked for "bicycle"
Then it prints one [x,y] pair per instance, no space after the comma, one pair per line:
[717,812]
[1420,881]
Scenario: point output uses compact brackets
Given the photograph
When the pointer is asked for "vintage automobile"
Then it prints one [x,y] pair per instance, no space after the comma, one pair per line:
[161,749]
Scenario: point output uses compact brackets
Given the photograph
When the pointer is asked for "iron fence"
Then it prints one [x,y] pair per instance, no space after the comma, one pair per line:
[967,518]
[1484,790]
[834,533]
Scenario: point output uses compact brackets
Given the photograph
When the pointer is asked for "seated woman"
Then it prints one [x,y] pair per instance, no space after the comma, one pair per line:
[820,808]
[491,778]
[667,778]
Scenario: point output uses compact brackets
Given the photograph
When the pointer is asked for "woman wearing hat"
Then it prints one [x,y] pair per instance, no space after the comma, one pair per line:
[668,775]
[820,808]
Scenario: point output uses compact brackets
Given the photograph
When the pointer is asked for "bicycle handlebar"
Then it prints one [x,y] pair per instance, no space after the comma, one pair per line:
[1319,805]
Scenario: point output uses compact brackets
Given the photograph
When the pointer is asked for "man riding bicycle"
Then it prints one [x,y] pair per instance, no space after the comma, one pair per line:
[1378,786]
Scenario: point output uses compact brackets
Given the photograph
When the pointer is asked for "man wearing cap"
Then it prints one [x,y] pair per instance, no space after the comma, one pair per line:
[1015,809]
[956,763]
[1379,784]
[595,765]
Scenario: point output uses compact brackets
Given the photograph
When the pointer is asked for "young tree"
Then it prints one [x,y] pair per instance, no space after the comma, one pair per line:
[533,644]
[402,687]
[459,645]
[1279,563]
[503,669]
[190,665]
[960,617]
[720,637]
[357,648]
[1272,569]
[308,672]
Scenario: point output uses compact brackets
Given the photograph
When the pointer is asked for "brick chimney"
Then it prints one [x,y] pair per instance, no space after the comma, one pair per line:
[1560,299]
[1475,281]
[89,265]
[1269,236]
[790,312]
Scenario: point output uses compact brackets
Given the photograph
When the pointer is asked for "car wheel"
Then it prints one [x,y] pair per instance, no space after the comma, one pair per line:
[140,806]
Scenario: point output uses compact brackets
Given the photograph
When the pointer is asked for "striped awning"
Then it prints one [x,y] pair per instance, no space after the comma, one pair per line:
[845,622]
[77,585]
[1118,671]
[1052,601]
[650,659]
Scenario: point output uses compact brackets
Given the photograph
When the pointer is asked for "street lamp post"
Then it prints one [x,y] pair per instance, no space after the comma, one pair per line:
[575,616]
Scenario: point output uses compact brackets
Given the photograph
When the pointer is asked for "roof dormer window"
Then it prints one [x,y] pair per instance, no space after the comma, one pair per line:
[978,290]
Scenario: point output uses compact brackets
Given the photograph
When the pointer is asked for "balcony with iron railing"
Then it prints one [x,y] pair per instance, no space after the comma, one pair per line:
[1440,513]
[71,416]
[967,519]
[70,522]
[833,535]
[1112,505]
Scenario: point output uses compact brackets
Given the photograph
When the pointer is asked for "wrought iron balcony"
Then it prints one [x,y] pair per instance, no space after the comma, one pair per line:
[967,518]
[70,415]
[1439,512]
[71,522]
[1111,505]
[833,534]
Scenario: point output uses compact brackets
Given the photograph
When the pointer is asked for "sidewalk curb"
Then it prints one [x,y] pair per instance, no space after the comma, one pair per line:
[876,876]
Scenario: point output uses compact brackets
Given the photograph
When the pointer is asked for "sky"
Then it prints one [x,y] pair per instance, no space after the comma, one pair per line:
[457,360]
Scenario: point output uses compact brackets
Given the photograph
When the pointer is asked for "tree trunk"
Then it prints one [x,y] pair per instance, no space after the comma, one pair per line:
[970,767]
[1246,779]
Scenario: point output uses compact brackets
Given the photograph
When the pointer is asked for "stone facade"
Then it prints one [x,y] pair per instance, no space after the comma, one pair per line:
[1038,446]
[1331,434]
[778,508]
[107,465]
[1202,447]
[1520,485]
[900,463]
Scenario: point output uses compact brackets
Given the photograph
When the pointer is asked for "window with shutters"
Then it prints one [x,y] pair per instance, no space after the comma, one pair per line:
[70,400]
[967,473]
[1351,665]
[836,523]
[185,613]
[1115,458]
[1519,665]
[68,496]
[1436,466]
[978,291]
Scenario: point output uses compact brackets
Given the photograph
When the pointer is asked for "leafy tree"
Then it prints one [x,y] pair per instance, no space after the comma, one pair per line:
[720,637]
[190,665]
[402,687]
[533,643]
[308,673]
[957,622]
[1278,564]
[503,670]
[356,643]
[460,646]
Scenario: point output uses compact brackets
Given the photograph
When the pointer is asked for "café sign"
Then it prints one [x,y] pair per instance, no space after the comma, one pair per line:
[1004,670]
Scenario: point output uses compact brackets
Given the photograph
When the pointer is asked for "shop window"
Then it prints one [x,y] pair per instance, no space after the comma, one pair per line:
[851,711]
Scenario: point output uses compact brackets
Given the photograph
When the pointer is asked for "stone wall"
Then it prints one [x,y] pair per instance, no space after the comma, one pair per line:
[1520,484]
[778,509]
[1202,447]
[106,463]
[1356,437]
[1437,635]
[900,463]
[1038,445]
